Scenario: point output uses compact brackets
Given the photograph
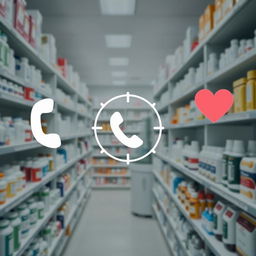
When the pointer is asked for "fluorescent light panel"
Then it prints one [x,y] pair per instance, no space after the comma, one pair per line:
[119,82]
[118,61]
[118,7]
[119,74]
[118,41]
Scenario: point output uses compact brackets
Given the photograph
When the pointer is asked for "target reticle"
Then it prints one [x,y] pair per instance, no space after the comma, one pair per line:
[127,97]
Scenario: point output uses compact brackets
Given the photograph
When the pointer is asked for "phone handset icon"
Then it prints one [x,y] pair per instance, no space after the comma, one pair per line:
[48,140]
[133,142]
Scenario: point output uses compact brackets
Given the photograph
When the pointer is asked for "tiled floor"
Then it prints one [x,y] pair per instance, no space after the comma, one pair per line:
[107,228]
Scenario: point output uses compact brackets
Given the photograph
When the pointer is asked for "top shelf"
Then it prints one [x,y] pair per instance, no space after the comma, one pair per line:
[232,26]
[21,47]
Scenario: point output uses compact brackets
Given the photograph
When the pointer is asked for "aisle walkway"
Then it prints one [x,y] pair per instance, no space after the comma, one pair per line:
[107,228]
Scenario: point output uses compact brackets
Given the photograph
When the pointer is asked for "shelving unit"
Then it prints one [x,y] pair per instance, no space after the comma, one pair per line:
[105,176]
[53,77]
[240,126]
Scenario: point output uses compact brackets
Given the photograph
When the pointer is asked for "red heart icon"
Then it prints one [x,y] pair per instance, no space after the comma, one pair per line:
[214,106]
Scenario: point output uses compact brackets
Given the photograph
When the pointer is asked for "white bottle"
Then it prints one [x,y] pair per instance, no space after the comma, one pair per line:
[194,156]
[218,164]
[251,152]
[6,238]
[234,49]
[19,130]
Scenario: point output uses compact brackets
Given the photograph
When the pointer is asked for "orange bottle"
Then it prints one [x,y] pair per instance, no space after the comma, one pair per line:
[194,206]
[187,201]
[202,201]
[210,201]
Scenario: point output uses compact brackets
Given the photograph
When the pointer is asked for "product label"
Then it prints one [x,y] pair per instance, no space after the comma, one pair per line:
[16,237]
[234,170]
[225,230]
[33,216]
[9,245]
[2,196]
[24,224]
[249,93]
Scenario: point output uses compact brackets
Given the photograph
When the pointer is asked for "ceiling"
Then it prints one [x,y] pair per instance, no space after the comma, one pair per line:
[157,28]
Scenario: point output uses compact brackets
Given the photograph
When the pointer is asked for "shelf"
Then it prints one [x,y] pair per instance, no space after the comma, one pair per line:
[164,232]
[242,16]
[188,95]
[111,175]
[15,102]
[106,156]
[246,117]
[109,166]
[110,145]
[235,198]
[20,147]
[34,187]
[69,219]
[70,137]
[129,120]
[235,71]
[163,109]
[110,186]
[216,246]
[41,223]
[172,224]
[63,108]
[122,109]
[100,132]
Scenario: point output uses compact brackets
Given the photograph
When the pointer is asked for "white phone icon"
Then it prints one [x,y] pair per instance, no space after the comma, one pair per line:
[115,121]
[48,140]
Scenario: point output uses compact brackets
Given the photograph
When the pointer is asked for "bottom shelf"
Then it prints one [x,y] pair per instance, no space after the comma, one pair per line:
[164,232]
[111,186]
[82,201]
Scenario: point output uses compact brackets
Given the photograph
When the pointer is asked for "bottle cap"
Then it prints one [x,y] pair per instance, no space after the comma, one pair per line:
[194,146]
[238,147]
[229,145]
[252,148]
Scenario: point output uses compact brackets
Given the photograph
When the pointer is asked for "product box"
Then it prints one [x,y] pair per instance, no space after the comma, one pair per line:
[37,19]
[246,235]
[19,15]
[201,28]
[228,6]
[63,66]
[32,31]
[26,26]
[218,13]
[209,19]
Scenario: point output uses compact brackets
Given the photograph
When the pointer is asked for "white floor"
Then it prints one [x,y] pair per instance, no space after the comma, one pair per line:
[107,228]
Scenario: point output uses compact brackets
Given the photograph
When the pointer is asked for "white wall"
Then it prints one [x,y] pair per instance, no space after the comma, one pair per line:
[103,93]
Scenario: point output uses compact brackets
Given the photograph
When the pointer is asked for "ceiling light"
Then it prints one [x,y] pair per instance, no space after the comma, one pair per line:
[118,61]
[119,73]
[118,7]
[118,41]
[121,82]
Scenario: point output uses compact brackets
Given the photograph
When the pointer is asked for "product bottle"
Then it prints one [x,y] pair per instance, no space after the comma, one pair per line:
[194,207]
[218,164]
[229,228]
[202,201]
[228,149]
[194,156]
[6,238]
[218,220]
[16,225]
[251,90]
[238,152]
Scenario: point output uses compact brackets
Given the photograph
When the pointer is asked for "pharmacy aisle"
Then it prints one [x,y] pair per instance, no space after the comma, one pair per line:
[205,171]
[108,228]
[43,191]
